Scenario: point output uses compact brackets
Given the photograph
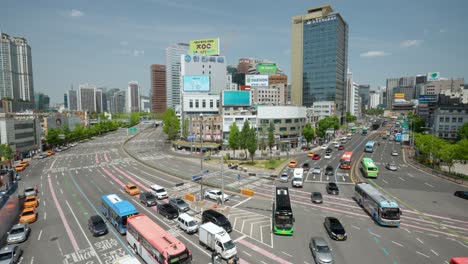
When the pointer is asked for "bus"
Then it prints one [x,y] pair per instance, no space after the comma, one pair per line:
[381,208]
[282,212]
[117,210]
[364,131]
[369,168]
[154,244]
[370,145]
[345,161]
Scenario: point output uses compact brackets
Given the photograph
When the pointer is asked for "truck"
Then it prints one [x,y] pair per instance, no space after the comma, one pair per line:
[216,239]
[298,177]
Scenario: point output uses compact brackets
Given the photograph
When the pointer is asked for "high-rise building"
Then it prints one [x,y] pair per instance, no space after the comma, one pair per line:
[173,53]
[364,90]
[41,101]
[397,82]
[73,100]
[158,88]
[119,101]
[87,97]
[65,100]
[16,78]
[319,58]
[145,104]
[374,98]
[99,100]
[133,97]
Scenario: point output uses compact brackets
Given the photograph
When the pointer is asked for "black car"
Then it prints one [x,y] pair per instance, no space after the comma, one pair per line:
[335,229]
[461,194]
[332,188]
[168,210]
[328,150]
[216,218]
[148,199]
[97,226]
[329,170]
[316,197]
[305,166]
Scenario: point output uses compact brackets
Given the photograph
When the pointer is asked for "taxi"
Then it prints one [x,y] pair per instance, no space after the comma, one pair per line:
[29,215]
[20,167]
[50,153]
[310,154]
[25,163]
[132,189]
[31,201]
[292,164]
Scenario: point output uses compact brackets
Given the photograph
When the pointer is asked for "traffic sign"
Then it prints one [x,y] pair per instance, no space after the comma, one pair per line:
[132,130]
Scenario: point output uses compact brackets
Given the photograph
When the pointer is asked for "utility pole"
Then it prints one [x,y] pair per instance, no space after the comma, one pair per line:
[222,180]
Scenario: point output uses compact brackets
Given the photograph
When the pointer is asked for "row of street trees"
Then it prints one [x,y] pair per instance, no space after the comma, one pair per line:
[246,139]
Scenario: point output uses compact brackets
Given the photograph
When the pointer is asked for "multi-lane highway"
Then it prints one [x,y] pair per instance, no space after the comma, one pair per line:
[434,223]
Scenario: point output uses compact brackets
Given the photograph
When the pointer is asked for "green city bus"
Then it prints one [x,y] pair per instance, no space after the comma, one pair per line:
[370,169]
[283,220]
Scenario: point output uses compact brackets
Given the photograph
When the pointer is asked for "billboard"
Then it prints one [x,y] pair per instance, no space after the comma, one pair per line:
[244,88]
[196,83]
[432,76]
[236,98]
[399,95]
[428,98]
[209,47]
[256,80]
[266,68]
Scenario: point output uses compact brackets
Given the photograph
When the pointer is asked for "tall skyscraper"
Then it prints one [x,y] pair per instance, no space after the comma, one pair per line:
[364,90]
[173,53]
[133,97]
[65,100]
[99,100]
[158,89]
[87,97]
[16,78]
[319,58]
[73,100]
[42,101]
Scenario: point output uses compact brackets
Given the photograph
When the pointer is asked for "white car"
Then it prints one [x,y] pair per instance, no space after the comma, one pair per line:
[328,156]
[394,153]
[324,147]
[349,135]
[336,145]
[317,170]
[213,194]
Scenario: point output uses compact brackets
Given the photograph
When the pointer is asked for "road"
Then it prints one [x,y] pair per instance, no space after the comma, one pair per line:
[71,183]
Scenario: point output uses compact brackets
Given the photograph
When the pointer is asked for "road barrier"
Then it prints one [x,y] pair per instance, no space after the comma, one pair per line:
[190,197]
[248,192]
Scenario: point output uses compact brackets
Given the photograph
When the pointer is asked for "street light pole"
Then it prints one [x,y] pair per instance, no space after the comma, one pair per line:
[201,142]
[222,180]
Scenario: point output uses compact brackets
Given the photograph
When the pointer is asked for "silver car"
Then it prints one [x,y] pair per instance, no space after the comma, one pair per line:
[29,191]
[180,204]
[18,233]
[10,254]
[320,250]
[391,166]
[317,170]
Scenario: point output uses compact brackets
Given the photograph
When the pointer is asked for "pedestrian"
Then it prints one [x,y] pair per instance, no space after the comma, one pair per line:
[36,188]
[218,200]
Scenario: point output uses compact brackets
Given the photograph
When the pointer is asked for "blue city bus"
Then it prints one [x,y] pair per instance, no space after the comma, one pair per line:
[117,211]
[370,145]
[398,137]
[384,210]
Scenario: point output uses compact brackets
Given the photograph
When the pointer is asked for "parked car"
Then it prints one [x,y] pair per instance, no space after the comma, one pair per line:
[97,226]
[180,204]
[292,164]
[28,191]
[394,153]
[28,215]
[148,199]
[335,229]
[329,170]
[324,146]
[316,197]
[316,157]
[168,210]
[10,254]
[216,218]
[391,166]
[305,166]
[320,250]
[461,194]
[327,156]
[317,170]
[132,189]
[310,154]
[18,233]
[336,145]
[213,194]
[332,188]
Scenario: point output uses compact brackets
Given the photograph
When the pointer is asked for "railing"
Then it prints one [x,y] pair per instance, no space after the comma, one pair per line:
[438,173]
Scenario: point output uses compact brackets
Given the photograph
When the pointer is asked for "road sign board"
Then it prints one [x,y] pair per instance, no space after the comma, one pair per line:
[132,130]
[196,177]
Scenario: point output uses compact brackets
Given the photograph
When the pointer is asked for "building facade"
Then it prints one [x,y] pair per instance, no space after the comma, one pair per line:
[374,99]
[173,53]
[145,104]
[99,101]
[21,132]
[449,116]
[212,66]
[158,89]
[321,110]
[272,95]
[87,97]
[397,82]
[133,97]
[436,87]
[319,58]
[73,100]
[42,101]
[364,93]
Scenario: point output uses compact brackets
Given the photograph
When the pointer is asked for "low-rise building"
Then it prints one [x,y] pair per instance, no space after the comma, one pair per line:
[449,116]
[21,132]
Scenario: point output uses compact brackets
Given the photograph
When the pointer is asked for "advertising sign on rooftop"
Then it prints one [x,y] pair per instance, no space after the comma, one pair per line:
[266,68]
[236,98]
[256,80]
[196,83]
[433,76]
[399,95]
[208,47]
[428,98]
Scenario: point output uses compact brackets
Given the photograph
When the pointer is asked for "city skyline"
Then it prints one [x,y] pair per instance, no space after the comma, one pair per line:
[73,43]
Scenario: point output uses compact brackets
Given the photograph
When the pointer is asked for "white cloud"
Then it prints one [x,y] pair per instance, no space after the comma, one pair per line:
[76,13]
[137,53]
[411,43]
[374,53]
[123,43]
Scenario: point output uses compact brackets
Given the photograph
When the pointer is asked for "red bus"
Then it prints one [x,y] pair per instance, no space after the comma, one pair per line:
[345,161]
[154,244]
[459,260]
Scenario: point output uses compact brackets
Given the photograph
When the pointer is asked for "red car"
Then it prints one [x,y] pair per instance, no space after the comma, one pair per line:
[341,147]
[316,157]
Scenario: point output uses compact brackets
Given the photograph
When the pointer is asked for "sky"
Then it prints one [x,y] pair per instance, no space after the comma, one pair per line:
[111,42]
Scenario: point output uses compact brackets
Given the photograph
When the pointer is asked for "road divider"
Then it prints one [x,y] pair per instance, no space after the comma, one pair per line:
[248,192]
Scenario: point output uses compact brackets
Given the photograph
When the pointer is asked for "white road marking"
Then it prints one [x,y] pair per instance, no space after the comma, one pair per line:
[462,244]
[61,191]
[263,262]
[247,254]
[240,238]
[356,227]
[411,175]
[45,215]
[422,254]
[385,181]
[407,230]
[435,253]
[241,202]
[398,244]
[429,185]
[289,255]
[32,260]
[40,234]
[401,178]
[44,203]
[374,234]
[419,240]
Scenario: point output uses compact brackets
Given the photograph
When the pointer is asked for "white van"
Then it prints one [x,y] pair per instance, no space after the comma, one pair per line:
[187,223]
[158,191]
[298,178]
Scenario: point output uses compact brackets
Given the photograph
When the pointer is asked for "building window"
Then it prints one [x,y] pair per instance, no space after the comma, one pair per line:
[217,103]
[203,103]
[292,128]
[447,119]
[454,128]
[441,119]
[460,120]
[277,121]
[454,119]
[288,121]
[197,104]
[191,104]
[283,129]
[211,103]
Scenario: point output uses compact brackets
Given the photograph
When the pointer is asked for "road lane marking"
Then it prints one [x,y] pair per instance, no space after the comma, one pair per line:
[385,181]
[289,255]
[419,240]
[428,185]
[45,215]
[263,252]
[61,190]
[39,236]
[247,254]
[32,260]
[240,238]
[356,227]
[401,178]
[398,244]
[435,253]
[241,202]
[422,254]
[411,175]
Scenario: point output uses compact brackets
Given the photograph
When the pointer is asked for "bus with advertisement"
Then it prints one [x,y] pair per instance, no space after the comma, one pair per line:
[154,244]
[345,161]
[370,169]
[380,207]
[117,211]
[283,220]
[364,131]
[370,146]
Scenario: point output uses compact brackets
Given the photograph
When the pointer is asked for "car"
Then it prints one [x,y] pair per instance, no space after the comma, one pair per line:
[329,170]
[73,144]
[316,170]
[214,194]
[327,156]
[292,164]
[316,157]
[334,228]
[349,135]
[305,166]
[168,210]
[336,145]
[320,250]
[316,197]
[50,153]
[180,204]
[284,176]
[329,150]
[391,166]
[28,215]
[10,254]
[18,233]
[25,163]
[42,156]
[20,167]
[324,146]
[97,225]
[341,147]
[31,201]
[132,189]
[394,153]
[461,194]
[216,218]
[310,154]
[29,191]
[332,188]
[148,199]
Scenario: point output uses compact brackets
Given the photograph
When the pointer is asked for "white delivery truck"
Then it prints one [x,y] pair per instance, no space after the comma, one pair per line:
[217,239]
[298,178]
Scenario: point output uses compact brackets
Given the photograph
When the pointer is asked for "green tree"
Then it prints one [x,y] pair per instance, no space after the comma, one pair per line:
[234,138]
[263,136]
[244,135]
[448,154]
[271,137]
[308,132]
[53,137]
[463,131]
[171,124]
[416,123]
[326,123]
[252,142]
[186,128]
[6,151]
[350,118]
[462,151]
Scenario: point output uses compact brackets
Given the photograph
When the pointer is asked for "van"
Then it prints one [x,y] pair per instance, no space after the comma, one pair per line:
[187,223]
[158,191]
[298,178]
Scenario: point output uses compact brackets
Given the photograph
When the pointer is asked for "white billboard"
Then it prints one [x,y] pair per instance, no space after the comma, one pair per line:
[256,80]
[432,76]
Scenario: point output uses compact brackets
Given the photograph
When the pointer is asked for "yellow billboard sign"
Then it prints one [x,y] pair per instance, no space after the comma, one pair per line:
[399,95]
[207,47]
